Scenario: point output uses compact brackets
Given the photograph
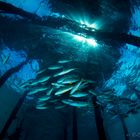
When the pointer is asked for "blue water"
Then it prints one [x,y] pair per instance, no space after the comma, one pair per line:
[115,67]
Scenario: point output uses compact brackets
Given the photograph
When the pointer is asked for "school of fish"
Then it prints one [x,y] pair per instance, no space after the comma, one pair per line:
[65,87]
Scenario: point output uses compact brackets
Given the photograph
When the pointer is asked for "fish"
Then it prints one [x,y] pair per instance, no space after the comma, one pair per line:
[60,107]
[64,72]
[71,76]
[26,84]
[41,71]
[44,98]
[76,87]
[75,103]
[115,117]
[107,91]
[57,85]
[41,104]
[37,90]
[92,92]
[133,97]
[99,103]
[64,61]
[108,100]
[79,94]
[34,83]
[132,104]
[29,98]
[29,84]
[69,81]
[63,90]
[132,110]
[44,79]
[6,58]
[90,81]
[137,88]
[83,85]
[55,67]
[61,80]
[104,95]
[110,106]
[41,107]
[49,92]
[33,92]
[53,101]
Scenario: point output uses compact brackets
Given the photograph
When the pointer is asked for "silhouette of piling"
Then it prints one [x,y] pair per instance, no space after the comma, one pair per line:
[3,79]
[75,127]
[10,72]
[99,120]
[12,116]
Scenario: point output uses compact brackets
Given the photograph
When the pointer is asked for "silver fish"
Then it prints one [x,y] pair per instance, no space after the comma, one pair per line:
[107,91]
[53,101]
[76,87]
[49,92]
[44,79]
[29,98]
[115,117]
[34,83]
[71,76]
[90,81]
[92,92]
[55,67]
[69,81]
[100,94]
[79,94]
[26,84]
[63,90]
[41,71]
[44,98]
[57,85]
[64,72]
[41,107]
[6,58]
[83,85]
[75,103]
[34,91]
[64,61]
[41,104]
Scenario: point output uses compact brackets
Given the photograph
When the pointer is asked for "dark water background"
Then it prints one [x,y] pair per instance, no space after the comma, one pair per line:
[113,65]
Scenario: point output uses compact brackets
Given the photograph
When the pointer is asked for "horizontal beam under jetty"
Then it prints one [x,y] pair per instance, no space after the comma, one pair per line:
[72,26]
[10,72]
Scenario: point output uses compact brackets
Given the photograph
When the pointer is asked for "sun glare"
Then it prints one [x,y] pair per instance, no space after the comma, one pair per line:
[89,41]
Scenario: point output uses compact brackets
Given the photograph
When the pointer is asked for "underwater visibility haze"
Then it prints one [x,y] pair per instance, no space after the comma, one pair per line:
[69,70]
